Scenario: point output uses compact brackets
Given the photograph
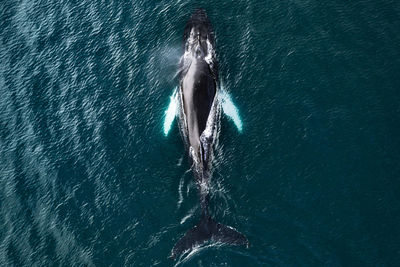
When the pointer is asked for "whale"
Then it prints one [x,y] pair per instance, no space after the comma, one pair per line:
[198,118]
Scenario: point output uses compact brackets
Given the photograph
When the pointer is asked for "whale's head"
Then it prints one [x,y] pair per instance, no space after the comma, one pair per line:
[198,35]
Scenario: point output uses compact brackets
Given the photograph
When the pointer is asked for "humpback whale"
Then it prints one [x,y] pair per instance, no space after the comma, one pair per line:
[199,112]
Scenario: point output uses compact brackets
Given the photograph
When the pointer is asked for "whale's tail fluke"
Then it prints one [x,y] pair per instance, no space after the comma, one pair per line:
[208,230]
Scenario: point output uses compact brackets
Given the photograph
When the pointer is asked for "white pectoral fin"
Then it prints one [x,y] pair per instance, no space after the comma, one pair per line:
[230,109]
[171,112]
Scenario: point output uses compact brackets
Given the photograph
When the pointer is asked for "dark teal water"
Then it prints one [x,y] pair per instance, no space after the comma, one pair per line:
[87,177]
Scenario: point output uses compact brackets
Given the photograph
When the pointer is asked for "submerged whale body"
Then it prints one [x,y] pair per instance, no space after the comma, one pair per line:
[198,121]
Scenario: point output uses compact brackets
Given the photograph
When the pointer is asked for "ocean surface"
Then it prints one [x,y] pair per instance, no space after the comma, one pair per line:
[88,177]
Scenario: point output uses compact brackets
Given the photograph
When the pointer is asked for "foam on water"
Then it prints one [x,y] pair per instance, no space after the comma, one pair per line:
[170,113]
[230,109]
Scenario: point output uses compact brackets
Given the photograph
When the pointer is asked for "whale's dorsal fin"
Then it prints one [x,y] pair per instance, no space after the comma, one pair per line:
[171,111]
[230,109]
